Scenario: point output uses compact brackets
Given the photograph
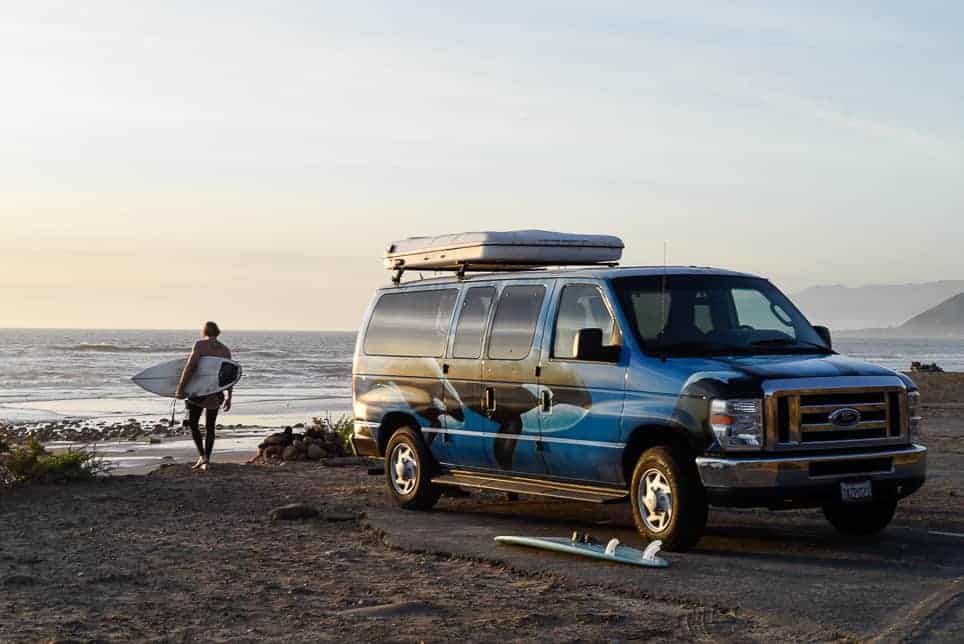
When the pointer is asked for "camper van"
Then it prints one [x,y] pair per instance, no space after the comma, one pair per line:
[671,388]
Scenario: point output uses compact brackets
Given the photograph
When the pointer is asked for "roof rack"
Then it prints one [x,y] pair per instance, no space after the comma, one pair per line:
[462,268]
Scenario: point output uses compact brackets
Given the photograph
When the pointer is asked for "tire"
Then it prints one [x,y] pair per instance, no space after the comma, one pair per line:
[860,519]
[666,479]
[409,467]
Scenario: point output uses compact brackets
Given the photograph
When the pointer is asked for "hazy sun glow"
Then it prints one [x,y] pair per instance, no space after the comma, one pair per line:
[164,163]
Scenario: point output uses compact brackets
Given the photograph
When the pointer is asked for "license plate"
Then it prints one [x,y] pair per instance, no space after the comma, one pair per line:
[859,491]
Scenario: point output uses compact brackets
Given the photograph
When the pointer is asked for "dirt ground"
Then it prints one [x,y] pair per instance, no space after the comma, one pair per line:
[184,556]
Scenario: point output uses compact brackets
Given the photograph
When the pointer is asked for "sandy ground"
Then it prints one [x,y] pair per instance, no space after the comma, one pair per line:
[184,556]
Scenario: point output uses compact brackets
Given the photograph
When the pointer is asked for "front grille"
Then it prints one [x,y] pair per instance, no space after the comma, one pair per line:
[826,417]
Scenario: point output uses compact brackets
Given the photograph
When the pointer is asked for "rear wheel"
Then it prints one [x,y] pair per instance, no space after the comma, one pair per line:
[668,499]
[861,519]
[409,467]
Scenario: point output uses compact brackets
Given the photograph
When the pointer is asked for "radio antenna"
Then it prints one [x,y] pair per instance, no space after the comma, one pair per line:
[662,291]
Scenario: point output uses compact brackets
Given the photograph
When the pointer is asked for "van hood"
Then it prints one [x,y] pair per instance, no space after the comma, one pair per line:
[744,375]
[801,366]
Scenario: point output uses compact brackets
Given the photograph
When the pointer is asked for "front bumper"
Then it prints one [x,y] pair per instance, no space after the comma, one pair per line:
[811,480]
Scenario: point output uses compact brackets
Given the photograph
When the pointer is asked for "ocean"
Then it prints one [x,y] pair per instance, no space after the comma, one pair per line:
[48,375]
[290,377]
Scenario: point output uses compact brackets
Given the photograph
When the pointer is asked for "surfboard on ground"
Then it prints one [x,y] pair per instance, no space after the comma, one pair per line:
[212,375]
[613,551]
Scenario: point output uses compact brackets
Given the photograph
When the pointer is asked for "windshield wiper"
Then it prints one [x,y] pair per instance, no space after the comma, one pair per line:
[787,342]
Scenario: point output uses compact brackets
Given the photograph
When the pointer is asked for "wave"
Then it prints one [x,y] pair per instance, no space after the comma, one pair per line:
[261,353]
[96,347]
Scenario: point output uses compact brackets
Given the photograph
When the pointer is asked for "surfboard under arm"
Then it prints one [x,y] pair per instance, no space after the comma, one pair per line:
[212,375]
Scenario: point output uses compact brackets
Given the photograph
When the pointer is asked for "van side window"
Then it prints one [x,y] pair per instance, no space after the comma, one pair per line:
[515,321]
[472,319]
[580,307]
[413,324]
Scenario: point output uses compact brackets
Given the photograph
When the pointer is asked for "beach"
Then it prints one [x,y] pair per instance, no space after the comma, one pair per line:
[159,552]
[179,555]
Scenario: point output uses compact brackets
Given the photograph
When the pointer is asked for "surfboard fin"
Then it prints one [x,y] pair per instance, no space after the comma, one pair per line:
[611,547]
[649,554]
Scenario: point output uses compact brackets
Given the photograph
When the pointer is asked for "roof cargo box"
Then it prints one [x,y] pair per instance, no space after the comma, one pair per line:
[502,250]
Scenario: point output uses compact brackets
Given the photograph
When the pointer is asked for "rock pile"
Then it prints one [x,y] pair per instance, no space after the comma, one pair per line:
[90,431]
[923,367]
[314,444]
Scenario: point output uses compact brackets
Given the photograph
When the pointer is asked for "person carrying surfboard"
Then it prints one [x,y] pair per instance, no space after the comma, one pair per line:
[209,405]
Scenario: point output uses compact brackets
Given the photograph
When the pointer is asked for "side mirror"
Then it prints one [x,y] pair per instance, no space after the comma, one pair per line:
[589,346]
[824,334]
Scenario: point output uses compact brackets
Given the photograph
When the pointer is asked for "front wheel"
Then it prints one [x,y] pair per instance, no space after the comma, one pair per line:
[668,499]
[408,470]
[862,519]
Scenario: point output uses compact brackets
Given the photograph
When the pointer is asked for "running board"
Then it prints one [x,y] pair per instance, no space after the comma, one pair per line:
[530,486]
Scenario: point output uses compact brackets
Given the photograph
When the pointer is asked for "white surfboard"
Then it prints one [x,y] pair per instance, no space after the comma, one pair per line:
[613,551]
[212,375]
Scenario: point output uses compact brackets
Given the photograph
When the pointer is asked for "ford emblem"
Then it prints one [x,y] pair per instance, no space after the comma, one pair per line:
[845,417]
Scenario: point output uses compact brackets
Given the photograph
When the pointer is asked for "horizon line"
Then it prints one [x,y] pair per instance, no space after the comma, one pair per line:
[97,328]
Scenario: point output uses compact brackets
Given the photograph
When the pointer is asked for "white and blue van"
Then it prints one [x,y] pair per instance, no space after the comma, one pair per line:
[672,388]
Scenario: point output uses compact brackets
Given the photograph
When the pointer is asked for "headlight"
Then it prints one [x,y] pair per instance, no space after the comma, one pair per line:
[738,424]
[913,411]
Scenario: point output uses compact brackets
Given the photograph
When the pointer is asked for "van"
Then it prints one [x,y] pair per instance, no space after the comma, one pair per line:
[670,388]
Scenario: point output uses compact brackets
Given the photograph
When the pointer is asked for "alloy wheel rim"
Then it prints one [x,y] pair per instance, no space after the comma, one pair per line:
[655,501]
[404,469]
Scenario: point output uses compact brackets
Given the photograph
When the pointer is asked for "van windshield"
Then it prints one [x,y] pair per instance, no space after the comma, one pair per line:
[687,315]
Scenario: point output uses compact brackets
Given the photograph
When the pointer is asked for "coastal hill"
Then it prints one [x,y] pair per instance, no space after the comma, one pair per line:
[947,318]
[880,306]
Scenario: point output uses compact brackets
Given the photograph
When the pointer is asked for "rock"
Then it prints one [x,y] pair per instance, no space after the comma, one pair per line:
[154,440]
[291,453]
[18,581]
[340,516]
[293,512]
[299,425]
[315,452]
[279,438]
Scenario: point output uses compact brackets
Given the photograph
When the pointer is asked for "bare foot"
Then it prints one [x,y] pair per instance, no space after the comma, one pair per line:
[204,466]
[200,462]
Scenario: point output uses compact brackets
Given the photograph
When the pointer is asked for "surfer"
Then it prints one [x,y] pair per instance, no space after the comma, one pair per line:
[209,405]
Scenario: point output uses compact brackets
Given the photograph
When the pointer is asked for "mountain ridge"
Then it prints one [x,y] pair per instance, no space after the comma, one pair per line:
[947,318]
[873,306]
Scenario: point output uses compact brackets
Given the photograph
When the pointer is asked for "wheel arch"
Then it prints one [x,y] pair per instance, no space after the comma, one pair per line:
[392,422]
[650,435]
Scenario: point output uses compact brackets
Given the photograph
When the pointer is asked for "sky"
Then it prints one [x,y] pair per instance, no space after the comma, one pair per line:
[163,163]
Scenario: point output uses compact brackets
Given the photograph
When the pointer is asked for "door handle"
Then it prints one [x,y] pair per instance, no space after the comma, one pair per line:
[488,400]
[546,401]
